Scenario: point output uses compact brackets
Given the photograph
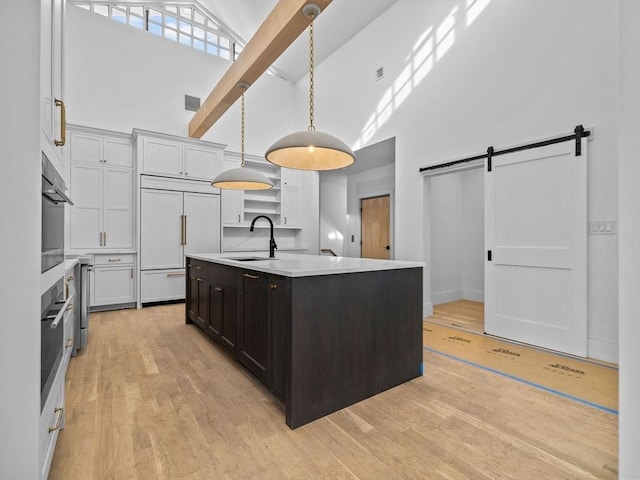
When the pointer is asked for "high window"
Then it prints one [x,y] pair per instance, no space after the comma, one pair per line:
[190,25]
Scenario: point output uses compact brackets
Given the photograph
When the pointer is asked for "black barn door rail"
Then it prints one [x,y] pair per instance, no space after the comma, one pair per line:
[578,133]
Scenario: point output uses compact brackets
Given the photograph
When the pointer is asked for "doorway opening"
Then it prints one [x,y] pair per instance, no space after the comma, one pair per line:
[456,218]
[375,227]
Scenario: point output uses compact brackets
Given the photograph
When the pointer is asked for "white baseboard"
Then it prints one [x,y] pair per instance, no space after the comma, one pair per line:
[473,295]
[427,309]
[445,297]
[602,350]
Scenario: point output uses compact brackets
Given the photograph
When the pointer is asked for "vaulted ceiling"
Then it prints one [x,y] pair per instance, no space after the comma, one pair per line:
[341,21]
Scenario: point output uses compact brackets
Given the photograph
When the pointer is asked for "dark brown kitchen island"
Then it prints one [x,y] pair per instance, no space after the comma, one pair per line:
[321,332]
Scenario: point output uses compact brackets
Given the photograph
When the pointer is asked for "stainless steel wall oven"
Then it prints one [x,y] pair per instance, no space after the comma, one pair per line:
[53,200]
[52,308]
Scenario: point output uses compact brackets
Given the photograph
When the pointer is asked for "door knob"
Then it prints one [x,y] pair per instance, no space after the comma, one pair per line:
[388,247]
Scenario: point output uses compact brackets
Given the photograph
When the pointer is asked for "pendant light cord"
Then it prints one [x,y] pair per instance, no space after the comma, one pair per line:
[311,127]
[242,130]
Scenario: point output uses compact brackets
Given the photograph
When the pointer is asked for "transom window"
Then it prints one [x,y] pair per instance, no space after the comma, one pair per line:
[189,25]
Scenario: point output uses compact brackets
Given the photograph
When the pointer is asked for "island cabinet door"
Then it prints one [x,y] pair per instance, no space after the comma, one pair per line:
[215,306]
[223,318]
[197,305]
[279,316]
[253,323]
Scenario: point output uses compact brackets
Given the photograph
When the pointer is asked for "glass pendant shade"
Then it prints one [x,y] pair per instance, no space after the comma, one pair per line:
[242,179]
[310,150]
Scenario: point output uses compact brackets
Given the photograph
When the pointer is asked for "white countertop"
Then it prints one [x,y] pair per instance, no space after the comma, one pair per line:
[69,263]
[298,265]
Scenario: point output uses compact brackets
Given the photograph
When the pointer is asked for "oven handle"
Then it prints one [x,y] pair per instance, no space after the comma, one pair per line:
[60,314]
[57,191]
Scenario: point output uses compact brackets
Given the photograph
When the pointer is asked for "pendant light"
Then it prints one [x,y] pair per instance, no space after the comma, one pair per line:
[309,149]
[242,178]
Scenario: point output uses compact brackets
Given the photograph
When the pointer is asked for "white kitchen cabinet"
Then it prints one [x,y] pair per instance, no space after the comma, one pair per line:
[291,178]
[101,187]
[113,280]
[162,285]
[102,214]
[51,422]
[232,207]
[96,148]
[161,229]
[174,223]
[201,162]
[290,207]
[290,197]
[52,107]
[178,157]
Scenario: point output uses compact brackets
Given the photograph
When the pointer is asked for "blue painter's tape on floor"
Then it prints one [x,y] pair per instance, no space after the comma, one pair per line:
[522,380]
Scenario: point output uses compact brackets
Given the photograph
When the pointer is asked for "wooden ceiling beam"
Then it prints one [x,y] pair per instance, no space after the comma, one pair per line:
[284,24]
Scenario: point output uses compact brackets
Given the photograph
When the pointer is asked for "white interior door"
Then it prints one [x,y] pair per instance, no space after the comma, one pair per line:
[536,230]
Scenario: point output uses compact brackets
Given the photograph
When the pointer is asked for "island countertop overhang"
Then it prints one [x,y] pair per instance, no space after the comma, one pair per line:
[302,265]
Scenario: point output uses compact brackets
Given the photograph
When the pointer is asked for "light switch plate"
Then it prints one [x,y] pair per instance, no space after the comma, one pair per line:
[602,227]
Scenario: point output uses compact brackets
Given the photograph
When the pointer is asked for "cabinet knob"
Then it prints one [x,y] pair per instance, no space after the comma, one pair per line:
[217,289]
[273,286]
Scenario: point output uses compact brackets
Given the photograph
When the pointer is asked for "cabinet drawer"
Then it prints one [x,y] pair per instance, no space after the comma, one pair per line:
[197,264]
[127,258]
[223,275]
[160,285]
[51,421]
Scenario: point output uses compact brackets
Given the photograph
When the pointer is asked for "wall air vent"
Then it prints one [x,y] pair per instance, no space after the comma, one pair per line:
[191,104]
[379,73]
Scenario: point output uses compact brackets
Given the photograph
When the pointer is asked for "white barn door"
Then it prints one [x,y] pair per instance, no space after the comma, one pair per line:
[536,231]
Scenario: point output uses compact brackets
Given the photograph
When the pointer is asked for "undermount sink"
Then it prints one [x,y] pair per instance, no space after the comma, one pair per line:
[250,259]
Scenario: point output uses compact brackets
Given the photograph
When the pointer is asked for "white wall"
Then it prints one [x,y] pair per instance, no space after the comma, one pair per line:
[20,239]
[473,235]
[120,78]
[333,212]
[453,87]
[456,206]
[446,238]
[629,195]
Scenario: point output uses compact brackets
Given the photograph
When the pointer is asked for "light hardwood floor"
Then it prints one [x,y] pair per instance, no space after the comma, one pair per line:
[153,398]
[462,314]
